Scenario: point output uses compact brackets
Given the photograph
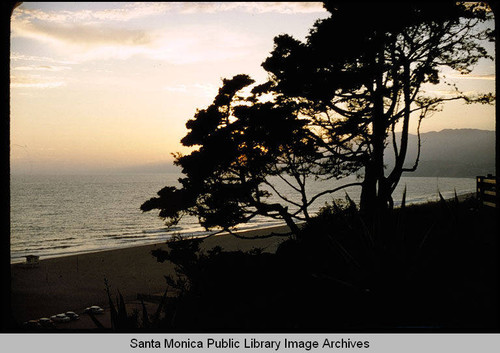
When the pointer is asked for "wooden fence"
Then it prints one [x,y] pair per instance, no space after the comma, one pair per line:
[486,189]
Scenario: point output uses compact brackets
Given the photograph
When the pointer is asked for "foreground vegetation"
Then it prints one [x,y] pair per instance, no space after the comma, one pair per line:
[429,266]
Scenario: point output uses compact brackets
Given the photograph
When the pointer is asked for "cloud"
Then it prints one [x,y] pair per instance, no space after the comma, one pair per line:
[16,57]
[35,82]
[183,45]
[251,7]
[474,77]
[39,85]
[89,40]
[137,10]
[176,88]
[449,93]
[41,68]
[102,34]
[85,41]
[201,89]
[206,89]
[196,43]
[129,11]
[80,34]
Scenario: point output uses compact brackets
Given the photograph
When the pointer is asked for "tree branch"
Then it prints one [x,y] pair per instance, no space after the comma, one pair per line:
[315,197]
[270,235]
[281,196]
[419,145]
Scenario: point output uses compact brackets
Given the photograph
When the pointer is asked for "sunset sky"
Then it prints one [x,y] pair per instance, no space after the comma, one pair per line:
[97,86]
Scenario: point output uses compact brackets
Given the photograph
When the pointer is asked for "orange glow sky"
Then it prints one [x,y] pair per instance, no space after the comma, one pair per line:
[97,86]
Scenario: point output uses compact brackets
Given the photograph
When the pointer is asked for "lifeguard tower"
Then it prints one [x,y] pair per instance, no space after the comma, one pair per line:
[32,260]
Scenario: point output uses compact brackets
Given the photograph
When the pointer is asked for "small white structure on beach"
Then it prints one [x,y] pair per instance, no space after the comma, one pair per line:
[32,260]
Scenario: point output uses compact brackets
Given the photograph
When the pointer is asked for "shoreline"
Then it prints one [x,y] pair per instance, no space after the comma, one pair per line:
[74,282]
[22,259]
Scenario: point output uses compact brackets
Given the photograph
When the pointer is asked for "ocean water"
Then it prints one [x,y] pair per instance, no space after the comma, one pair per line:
[69,214]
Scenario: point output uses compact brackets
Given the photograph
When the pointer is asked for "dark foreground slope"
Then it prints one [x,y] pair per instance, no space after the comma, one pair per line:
[430,267]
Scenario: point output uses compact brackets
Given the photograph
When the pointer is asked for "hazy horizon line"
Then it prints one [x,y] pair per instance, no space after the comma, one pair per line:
[166,166]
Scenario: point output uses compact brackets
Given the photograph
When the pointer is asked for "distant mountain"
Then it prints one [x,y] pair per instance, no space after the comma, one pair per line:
[451,153]
[447,153]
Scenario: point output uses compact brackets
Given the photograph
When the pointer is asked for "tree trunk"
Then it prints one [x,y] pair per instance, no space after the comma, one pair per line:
[374,198]
[289,222]
[368,190]
[264,208]
[397,171]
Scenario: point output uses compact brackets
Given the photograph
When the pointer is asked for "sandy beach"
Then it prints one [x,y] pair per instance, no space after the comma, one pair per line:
[73,283]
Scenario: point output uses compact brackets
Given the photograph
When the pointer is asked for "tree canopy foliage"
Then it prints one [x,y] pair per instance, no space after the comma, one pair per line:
[242,143]
[362,73]
[335,99]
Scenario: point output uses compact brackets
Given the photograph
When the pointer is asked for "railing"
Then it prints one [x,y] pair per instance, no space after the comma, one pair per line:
[486,189]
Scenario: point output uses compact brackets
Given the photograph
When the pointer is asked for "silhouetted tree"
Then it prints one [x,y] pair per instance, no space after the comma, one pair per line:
[361,74]
[245,145]
[334,100]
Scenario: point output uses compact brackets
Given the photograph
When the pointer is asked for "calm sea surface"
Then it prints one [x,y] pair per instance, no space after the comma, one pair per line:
[62,215]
